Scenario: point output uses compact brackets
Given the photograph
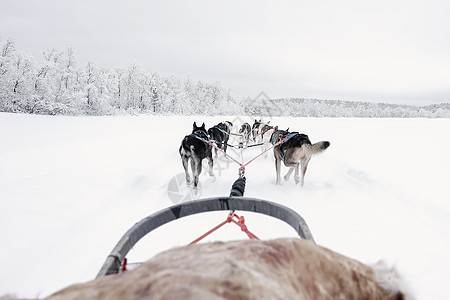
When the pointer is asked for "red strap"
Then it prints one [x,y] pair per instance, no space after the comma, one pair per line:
[230,219]
[124,264]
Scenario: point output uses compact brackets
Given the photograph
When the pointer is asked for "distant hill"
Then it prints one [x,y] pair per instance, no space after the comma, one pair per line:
[300,107]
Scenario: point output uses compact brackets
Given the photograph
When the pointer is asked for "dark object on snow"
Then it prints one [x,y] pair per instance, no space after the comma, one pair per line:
[238,188]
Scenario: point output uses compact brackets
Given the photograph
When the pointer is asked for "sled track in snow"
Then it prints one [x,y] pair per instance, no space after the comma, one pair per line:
[140,229]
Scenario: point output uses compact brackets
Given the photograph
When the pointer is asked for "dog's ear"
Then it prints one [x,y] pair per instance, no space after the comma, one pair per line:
[203,126]
[287,129]
[194,126]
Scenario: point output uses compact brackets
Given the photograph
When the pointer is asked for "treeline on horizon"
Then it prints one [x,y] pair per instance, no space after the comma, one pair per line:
[57,84]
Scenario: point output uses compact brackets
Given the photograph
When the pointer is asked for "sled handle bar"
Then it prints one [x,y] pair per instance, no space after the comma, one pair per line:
[146,225]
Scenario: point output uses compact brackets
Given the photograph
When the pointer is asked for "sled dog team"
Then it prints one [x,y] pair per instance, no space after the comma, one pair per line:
[294,149]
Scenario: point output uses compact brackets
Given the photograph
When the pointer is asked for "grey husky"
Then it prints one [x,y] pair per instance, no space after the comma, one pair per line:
[295,152]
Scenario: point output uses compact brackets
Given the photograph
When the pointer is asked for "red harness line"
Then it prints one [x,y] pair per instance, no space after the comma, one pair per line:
[230,219]
[242,165]
[232,216]
[262,132]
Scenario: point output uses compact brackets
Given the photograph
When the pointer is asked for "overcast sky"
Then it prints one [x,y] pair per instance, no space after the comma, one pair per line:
[394,51]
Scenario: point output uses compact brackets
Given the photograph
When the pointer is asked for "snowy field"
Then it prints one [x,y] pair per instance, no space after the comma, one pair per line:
[70,187]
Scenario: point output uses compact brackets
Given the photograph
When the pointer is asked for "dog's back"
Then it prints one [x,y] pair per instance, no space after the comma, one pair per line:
[191,146]
[195,147]
[245,131]
[221,131]
[277,135]
[256,129]
[220,135]
[217,136]
[294,151]
[300,140]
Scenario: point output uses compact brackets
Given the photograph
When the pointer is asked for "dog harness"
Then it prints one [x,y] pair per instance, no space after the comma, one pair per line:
[286,137]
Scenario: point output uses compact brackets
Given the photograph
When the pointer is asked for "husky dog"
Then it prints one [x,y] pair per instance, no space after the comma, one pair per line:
[295,151]
[229,124]
[256,130]
[220,134]
[266,133]
[194,147]
[245,131]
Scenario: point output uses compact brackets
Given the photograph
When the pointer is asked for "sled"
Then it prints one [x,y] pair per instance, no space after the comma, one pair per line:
[235,202]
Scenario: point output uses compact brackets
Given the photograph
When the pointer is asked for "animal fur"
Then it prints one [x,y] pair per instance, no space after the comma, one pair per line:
[256,130]
[245,132]
[266,133]
[193,149]
[220,134]
[296,152]
[289,268]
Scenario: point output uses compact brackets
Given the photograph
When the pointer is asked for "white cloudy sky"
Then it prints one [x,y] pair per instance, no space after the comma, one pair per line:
[386,50]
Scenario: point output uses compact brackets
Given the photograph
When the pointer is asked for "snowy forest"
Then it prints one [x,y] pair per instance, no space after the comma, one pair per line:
[57,83]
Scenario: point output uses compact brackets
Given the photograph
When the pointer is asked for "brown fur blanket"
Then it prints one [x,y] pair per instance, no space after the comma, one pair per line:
[289,268]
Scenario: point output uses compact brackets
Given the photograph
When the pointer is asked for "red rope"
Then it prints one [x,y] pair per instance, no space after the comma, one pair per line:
[212,144]
[230,219]
[124,264]
[280,142]
[262,132]
[241,223]
[242,166]
[209,232]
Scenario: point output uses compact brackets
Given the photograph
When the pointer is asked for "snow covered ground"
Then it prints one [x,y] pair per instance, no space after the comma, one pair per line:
[71,186]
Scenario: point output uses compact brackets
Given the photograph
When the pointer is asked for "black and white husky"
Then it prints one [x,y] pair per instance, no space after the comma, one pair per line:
[245,132]
[256,130]
[295,151]
[195,147]
[220,134]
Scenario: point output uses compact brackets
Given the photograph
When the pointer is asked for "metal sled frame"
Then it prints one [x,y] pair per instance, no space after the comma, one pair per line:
[140,229]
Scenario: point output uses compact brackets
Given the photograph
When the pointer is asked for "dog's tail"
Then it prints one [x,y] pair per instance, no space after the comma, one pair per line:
[319,147]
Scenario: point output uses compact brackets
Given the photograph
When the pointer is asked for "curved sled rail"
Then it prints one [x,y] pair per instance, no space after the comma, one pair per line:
[146,225]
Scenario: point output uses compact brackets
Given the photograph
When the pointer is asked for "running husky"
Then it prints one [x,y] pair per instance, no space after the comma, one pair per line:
[245,132]
[194,147]
[296,150]
[256,130]
[266,134]
[220,134]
